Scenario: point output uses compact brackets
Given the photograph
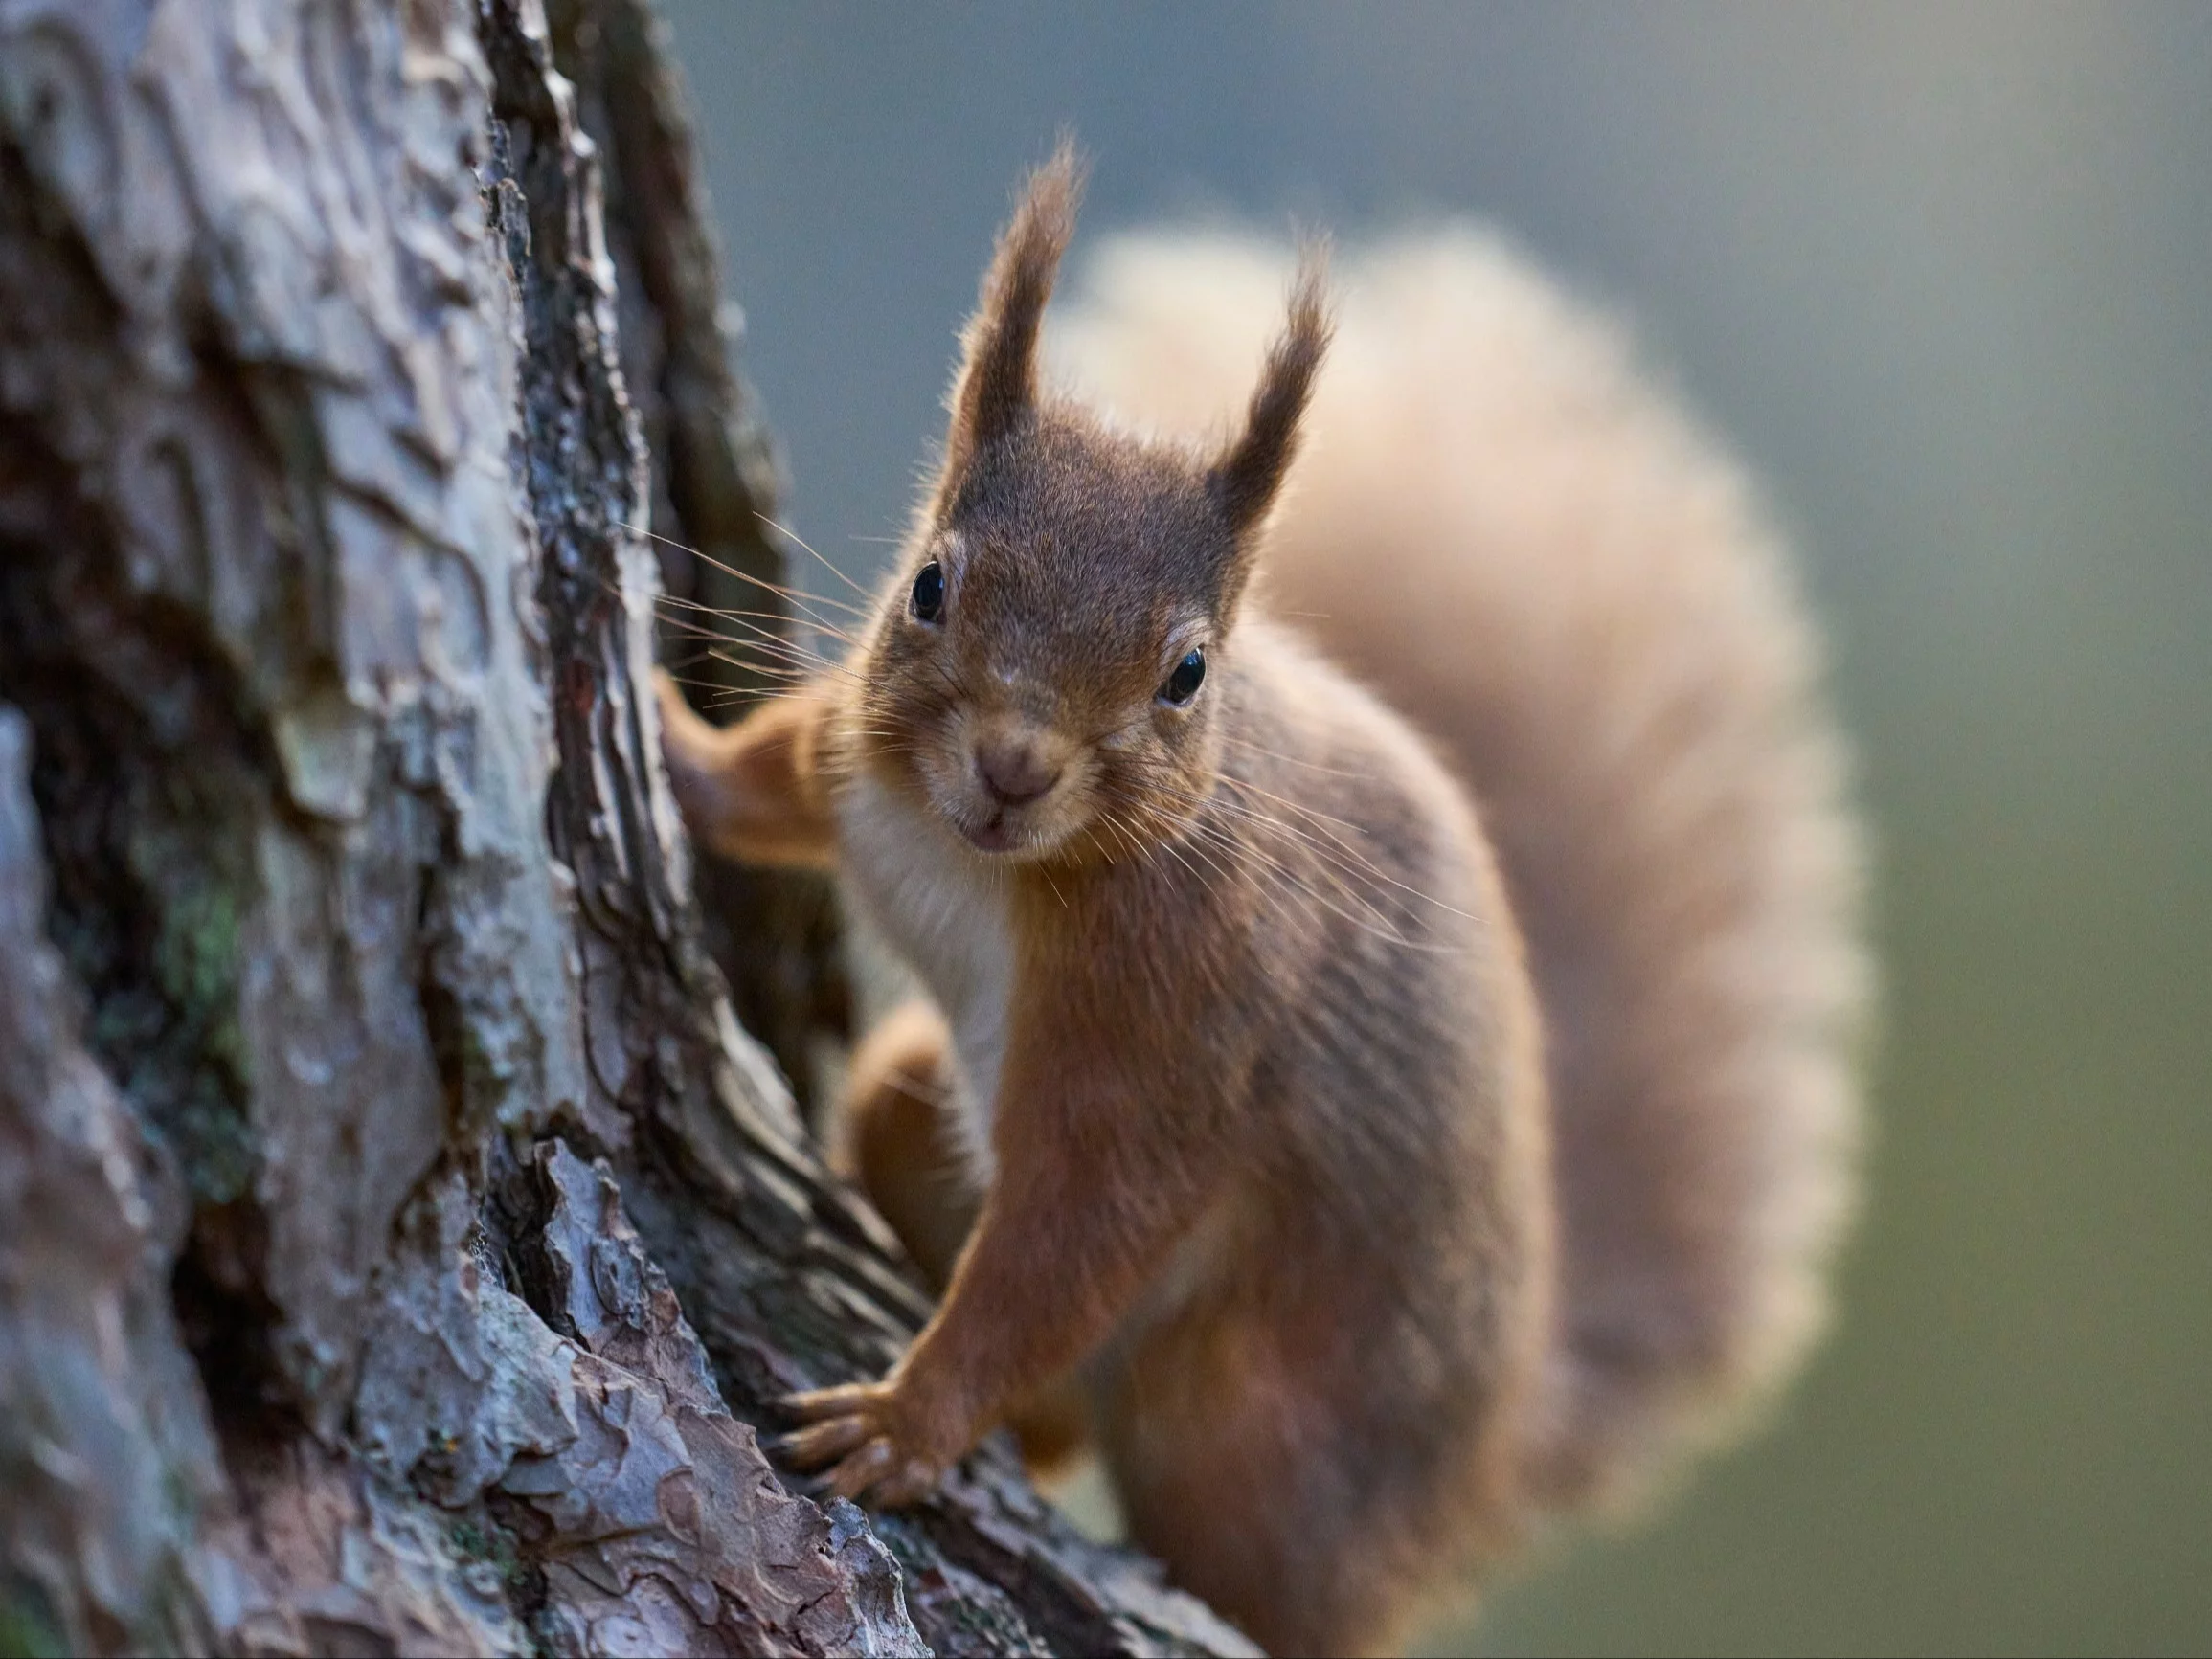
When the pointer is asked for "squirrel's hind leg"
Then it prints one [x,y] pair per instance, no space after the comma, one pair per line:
[890,1135]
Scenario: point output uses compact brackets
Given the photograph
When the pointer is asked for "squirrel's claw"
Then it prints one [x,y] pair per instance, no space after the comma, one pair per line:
[823,1441]
[863,1469]
[847,1400]
[854,1428]
[878,1474]
[915,1479]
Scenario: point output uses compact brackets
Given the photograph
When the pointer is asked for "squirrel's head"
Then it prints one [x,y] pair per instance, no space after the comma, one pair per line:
[1047,663]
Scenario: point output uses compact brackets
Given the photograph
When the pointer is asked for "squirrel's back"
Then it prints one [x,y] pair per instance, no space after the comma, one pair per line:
[1535,559]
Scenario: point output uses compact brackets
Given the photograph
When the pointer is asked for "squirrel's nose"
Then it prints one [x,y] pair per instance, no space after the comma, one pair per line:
[1015,769]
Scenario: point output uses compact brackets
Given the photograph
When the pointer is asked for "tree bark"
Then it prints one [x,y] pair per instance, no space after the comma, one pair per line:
[401,1234]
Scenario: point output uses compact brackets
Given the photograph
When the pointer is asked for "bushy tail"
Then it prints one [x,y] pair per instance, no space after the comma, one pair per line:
[1502,526]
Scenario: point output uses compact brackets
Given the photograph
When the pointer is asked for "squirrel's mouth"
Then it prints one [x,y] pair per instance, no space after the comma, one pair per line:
[1030,827]
[996,834]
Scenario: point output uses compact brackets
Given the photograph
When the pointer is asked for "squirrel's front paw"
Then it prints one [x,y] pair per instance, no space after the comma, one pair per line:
[883,1450]
[689,744]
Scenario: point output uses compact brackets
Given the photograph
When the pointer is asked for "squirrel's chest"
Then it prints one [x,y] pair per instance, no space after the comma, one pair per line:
[949,920]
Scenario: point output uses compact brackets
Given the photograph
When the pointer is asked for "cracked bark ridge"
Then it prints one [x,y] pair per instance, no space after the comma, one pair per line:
[403,1233]
[716,483]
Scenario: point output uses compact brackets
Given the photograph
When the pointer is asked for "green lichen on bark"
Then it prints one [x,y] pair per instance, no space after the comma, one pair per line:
[27,1631]
[147,804]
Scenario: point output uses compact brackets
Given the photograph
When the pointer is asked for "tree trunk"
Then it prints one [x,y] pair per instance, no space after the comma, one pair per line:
[396,1215]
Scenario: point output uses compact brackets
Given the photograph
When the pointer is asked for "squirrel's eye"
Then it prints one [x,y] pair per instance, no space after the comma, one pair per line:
[1183,684]
[928,593]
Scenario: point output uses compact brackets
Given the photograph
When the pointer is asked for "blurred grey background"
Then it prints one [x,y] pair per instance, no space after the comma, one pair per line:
[1944,274]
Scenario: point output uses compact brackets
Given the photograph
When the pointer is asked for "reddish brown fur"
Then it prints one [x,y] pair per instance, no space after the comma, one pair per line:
[1238,1021]
[1568,587]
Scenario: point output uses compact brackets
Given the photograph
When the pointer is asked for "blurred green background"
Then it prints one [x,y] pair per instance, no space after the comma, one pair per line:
[1944,274]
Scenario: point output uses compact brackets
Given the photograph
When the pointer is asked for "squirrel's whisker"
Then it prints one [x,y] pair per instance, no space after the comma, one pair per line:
[867,598]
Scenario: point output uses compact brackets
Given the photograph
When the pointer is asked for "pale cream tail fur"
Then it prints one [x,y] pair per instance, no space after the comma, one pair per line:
[1502,526]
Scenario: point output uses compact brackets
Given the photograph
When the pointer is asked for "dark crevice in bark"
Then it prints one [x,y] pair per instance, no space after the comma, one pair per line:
[224,1318]
[520,1204]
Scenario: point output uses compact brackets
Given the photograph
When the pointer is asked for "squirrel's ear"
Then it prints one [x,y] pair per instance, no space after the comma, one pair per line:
[998,379]
[1246,476]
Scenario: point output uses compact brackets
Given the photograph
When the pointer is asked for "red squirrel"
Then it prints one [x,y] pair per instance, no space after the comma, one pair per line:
[1388,923]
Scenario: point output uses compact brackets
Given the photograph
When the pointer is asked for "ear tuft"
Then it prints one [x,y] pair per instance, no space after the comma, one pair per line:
[998,378]
[1245,479]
